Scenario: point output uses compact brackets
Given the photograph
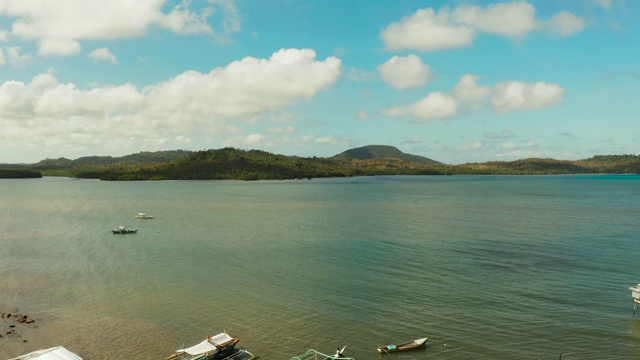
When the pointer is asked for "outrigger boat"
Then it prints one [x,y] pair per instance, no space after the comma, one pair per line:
[219,347]
[403,347]
[312,354]
[124,230]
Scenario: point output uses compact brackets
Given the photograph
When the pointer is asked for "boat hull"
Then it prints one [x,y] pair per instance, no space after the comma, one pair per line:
[411,345]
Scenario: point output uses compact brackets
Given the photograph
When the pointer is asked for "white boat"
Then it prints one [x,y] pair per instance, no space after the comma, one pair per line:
[54,353]
[312,354]
[124,230]
[218,347]
[402,347]
[143,216]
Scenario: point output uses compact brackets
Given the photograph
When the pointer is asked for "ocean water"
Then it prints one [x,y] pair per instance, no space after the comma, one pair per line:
[488,267]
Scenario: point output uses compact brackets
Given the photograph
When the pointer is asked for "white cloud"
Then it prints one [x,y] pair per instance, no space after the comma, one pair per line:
[49,113]
[16,58]
[516,95]
[467,90]
[427,31]
[434,106]
[59,26]
[503,97]
[514,19]
[103,54]
[3,35]
[604,3]
[564,24]
[2,61]
[405,72]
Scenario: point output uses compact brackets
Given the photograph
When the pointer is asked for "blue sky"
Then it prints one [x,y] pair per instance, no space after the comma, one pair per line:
[456,81]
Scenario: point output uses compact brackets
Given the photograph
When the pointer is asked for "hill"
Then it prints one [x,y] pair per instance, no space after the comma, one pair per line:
[384,152]
[235,164]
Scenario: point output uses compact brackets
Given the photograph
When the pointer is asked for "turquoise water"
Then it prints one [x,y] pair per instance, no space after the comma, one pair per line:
[488,267]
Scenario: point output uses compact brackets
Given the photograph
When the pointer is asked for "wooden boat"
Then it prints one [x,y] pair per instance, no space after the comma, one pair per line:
[218,347]
[124,230]
[403,347]
[312,354]
[143,216]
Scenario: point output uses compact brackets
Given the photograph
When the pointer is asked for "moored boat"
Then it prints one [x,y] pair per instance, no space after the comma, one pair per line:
[403,347]
[312,354]
[143,216]
[218,347]
[57,353]
[124,230]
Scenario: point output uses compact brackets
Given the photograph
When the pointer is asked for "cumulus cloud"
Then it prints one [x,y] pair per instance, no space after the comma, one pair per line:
[59,26]
[48,112]
[564,24]
[427,30]
[517,95]
[405,72]
[502,97]
[434,106]
[103,54]
[514,19]
[467,90]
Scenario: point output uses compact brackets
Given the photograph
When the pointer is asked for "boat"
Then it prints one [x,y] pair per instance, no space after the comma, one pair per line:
[312,354]
[403,347]
[143,216]
[635,294]
[124,230]
[218,347]
[58,353]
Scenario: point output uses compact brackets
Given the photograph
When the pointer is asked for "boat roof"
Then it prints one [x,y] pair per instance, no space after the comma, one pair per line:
[54,353]
[207,345]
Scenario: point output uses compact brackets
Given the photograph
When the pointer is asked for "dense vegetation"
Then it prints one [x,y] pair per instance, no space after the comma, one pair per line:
[384,152]
[235,164]
[19,174]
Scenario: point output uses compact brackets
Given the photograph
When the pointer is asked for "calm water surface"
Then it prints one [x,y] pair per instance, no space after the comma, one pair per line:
[487,267]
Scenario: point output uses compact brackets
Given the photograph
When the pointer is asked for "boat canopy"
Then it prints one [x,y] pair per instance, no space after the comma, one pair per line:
[209,344]
[54,353]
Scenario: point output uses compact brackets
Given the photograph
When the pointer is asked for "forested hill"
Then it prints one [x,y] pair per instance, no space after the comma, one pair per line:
[384,152]
[143,157]
[235,164]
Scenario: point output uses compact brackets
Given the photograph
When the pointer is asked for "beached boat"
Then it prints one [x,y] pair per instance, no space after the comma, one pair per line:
[312,354]
[219,347]
[143,216]
[403,347]
[124,230]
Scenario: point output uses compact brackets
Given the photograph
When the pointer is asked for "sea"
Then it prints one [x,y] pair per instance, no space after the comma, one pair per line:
[486,267]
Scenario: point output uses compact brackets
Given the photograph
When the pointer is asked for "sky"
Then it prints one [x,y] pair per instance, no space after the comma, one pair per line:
[457,81]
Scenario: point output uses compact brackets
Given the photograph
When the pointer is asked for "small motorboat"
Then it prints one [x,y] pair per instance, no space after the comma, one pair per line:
[143,216]
[403,347]
[124,230]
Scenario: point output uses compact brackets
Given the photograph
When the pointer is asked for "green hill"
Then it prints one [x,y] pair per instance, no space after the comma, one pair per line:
[384,152]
